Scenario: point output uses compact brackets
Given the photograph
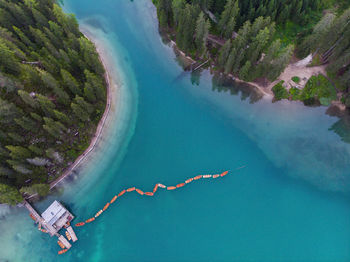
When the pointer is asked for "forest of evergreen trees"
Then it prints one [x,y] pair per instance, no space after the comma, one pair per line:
[252,49]
[52,95]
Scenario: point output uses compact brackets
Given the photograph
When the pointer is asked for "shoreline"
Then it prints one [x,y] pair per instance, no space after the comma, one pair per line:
[100,127]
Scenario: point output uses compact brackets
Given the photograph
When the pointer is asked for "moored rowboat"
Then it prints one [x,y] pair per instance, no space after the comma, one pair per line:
[80,224]
[130,189]
[114,199]
[98,213]
[62,251]
[224,173]
[121,193]
[139,191]
[90,220]
[105,207]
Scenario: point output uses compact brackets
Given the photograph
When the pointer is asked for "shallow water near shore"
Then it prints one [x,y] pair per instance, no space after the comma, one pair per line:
[290,202]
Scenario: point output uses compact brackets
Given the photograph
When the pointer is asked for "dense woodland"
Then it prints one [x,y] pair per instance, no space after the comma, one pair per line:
[52,95]
[261,36]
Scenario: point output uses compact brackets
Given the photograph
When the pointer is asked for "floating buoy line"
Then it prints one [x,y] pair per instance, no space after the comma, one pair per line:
[142,193]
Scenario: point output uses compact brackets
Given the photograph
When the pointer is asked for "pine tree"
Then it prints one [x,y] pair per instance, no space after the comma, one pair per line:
[28,99]
[9,195]
[228,18]
[202,30]
[224,53]
[244,72]
[54,128]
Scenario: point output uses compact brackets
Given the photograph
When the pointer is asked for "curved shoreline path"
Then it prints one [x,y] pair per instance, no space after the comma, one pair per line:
[100,125]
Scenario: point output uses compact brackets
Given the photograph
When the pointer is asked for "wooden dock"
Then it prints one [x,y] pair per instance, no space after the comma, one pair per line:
[72,233]
[64,241]
[40,220]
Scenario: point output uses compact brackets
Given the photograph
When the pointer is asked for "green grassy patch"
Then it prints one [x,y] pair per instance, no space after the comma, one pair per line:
[296,79]
[280,91]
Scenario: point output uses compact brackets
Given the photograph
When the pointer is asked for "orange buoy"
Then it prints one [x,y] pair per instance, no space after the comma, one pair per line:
[224,173]
[62,251]
[161,185]
[139,191]
[189,180]
[149,193]
[130,189]
[114,199]
[80,224]
[197,177]
[98,213]
[216,176]
[180,185]
[90,220]
[121,193]
[207,176]
[171,187]
[155,188]
[105,207]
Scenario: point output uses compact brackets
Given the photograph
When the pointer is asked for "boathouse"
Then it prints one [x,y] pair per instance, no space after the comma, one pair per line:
[57,216]
[52,220]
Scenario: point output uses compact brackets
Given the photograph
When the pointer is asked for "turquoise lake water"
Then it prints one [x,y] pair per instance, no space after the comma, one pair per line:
[290,203]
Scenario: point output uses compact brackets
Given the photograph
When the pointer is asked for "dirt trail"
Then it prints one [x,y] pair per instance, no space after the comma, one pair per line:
[301,70]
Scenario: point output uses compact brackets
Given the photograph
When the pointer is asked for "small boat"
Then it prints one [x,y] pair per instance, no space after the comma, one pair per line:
[207,176]
[60,244]
[68,235]
[155,188]
[197,177]
[171,187]
[161,185]
[189,180]
[114,199]
[90,220]
[180,185]
[80,224]
[131,189]
[121,193]
[62,251]
[105,207]
[216,176]
[224,173]
[139,191]
[149,193]
[32,216]
[98,213]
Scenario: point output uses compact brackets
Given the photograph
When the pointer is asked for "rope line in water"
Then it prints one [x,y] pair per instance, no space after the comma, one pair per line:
[158,185]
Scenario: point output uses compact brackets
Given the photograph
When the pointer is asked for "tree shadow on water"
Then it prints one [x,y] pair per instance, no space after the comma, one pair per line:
[221,83]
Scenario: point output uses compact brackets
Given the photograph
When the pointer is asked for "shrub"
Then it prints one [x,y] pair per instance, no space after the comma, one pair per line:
[318,88]
[296,79]
[280,91]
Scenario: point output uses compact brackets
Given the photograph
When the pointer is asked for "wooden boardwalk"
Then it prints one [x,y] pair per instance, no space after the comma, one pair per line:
[39,219]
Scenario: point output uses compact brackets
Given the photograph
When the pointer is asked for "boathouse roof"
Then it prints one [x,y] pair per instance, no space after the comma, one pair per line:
[53,213]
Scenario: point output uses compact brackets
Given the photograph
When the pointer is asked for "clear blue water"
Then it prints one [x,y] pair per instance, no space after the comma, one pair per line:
[290,203]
